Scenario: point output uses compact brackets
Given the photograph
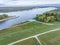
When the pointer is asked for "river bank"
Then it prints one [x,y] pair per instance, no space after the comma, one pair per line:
[22,16]
[10,17]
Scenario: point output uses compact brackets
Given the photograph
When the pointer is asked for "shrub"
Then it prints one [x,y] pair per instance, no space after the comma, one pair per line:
[46,17]
[3,16]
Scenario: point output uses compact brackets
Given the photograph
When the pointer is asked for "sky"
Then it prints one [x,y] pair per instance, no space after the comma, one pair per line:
[27,2]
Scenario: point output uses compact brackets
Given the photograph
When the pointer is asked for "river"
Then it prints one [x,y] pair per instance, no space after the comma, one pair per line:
[23,16]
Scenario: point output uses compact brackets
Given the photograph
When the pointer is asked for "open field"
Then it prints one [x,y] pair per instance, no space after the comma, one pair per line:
[31,41]
[49,38]
[52,38]
[35,36]
[23,31]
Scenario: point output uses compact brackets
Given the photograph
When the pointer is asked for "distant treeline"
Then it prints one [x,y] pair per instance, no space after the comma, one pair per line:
[11,9]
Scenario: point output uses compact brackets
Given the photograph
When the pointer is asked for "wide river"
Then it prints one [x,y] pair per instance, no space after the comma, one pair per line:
[24,16]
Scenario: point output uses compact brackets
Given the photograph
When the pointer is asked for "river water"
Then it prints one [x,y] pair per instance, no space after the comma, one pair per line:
[23,16]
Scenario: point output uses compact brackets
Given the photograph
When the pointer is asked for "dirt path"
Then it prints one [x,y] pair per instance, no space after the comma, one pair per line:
[35,36]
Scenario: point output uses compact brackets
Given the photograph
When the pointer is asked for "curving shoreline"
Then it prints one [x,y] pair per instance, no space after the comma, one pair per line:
[10,17]
[20,18]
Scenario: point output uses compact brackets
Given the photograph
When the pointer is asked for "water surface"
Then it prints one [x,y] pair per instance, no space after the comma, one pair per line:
[23,16]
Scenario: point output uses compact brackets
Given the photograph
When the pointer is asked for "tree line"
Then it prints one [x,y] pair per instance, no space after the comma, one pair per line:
[3,16]
[48,17]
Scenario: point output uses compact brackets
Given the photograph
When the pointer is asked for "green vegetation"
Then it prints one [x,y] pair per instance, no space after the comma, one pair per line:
[3,16]
[27,29]
[50,16]
[55,13]
[52,38]
[23,31]
[31,41]
[44,18]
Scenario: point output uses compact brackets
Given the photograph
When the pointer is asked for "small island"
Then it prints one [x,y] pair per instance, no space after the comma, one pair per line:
[5,17]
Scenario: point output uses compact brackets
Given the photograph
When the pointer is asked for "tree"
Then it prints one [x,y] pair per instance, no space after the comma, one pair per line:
[48,17]
[5,15]
[52,19]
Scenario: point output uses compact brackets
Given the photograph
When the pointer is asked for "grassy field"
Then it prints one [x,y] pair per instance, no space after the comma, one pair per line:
[23,31]
[52,38]
[31,41]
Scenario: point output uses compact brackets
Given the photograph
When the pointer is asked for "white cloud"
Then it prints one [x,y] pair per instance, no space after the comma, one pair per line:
[27,2]
[21,3]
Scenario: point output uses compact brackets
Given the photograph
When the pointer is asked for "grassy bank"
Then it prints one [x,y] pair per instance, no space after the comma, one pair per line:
[31,41]
[52,38]
[23,31]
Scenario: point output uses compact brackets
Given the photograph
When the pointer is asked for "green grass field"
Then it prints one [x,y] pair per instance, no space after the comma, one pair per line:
[52,38]
[23,31]
[31,41]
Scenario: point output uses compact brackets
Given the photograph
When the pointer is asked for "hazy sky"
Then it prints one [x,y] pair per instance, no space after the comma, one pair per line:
[28,2]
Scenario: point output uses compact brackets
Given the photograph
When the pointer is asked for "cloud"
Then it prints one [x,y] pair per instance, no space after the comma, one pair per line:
[21,3]
[28,2]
